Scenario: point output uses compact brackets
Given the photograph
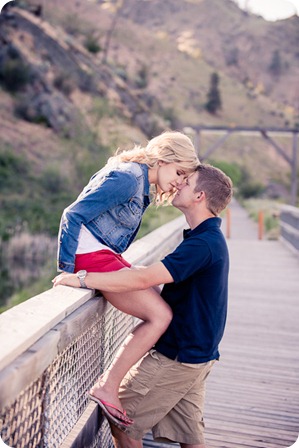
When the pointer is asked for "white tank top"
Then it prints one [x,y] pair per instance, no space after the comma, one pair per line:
[88,243]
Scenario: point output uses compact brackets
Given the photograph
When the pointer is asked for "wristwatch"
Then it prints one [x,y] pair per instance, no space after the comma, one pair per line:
[81,276]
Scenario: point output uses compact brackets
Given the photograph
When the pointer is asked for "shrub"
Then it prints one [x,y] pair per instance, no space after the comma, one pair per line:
[233,170]
[12,168]
[250,190]
[169,114]
[91,44]
[270,211]
[142,78]
[14,74]
[63,83]
[121,71]
[243,185]
[52,181]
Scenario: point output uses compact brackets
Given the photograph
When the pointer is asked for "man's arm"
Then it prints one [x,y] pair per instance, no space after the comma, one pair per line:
[120,281]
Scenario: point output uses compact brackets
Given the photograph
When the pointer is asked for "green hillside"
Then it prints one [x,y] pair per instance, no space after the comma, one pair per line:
[79,79]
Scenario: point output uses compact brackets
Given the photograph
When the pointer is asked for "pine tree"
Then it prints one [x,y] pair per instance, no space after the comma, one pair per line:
[276,65]
[213,98]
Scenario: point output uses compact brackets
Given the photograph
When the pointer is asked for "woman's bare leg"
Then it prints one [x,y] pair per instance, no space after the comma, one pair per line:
[156,315]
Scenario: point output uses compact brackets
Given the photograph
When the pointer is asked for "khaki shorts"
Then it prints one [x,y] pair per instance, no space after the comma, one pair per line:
[167,397]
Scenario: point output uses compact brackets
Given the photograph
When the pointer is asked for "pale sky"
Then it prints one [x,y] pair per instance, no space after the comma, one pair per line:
[268,9]
[271,9]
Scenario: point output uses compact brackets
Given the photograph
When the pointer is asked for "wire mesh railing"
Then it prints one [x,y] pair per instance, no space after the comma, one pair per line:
[34,419]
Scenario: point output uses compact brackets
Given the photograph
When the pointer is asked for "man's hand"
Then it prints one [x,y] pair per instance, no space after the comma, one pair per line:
[66,279]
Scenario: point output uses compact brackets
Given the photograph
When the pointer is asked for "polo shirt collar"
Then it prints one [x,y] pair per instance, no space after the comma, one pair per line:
[207,224]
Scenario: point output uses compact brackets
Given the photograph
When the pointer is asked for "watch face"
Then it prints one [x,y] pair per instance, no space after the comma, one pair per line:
[81,276]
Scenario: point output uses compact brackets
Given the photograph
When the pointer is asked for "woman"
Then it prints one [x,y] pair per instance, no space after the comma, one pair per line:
[103,222]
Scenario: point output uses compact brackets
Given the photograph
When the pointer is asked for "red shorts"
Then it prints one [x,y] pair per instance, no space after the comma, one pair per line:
[100,261]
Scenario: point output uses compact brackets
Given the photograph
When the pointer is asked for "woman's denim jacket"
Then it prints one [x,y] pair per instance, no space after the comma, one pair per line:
[110,207]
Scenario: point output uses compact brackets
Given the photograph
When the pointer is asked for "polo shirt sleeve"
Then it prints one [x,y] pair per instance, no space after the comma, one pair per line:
[190,256]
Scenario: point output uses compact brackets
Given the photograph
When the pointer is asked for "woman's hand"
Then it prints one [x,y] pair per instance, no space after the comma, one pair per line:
[66,279]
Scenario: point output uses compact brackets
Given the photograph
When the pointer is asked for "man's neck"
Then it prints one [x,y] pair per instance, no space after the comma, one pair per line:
[195,219]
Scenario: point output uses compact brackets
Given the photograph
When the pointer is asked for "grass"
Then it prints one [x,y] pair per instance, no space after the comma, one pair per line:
[270,213]
[36,287]
[155,217]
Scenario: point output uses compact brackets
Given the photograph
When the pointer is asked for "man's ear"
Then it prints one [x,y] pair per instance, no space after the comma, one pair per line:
[200,195]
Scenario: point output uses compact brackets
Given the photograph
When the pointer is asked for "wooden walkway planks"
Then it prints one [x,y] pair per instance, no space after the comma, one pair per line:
[253,392]
[252,398]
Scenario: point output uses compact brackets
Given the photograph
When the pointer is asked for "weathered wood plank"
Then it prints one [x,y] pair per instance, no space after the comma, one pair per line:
[253,392]
[24,324]
[32,363]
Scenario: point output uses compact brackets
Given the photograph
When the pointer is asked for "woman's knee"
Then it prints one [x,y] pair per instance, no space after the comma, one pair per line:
[168,315]
[163,317]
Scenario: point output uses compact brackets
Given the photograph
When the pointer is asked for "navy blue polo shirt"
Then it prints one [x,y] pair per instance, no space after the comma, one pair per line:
[198,296]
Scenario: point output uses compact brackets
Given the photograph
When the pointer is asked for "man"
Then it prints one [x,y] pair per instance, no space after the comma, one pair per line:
[165,390]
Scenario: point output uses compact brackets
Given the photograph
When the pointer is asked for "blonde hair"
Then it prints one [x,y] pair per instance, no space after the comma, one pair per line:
[169,147]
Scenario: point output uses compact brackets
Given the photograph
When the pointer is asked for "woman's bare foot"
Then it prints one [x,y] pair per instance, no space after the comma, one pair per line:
[109,398]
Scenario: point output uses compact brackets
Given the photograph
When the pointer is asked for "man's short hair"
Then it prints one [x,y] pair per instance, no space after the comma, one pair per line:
[217,186]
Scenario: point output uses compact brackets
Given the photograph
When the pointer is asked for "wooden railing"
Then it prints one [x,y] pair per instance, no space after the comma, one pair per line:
[54,346]
[289,227]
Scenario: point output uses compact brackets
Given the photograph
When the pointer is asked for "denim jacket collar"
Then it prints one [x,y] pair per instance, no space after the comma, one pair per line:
[146,181]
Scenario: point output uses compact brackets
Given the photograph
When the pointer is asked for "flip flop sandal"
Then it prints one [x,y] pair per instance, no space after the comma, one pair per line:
[117,421]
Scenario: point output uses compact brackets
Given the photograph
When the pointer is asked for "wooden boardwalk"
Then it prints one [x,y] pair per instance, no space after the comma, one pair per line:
[252,395]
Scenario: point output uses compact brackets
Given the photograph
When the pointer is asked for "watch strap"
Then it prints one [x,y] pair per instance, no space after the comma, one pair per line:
[82,283]
[81,276]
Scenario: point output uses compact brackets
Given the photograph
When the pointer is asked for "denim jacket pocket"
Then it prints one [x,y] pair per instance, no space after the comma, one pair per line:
[130,214]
